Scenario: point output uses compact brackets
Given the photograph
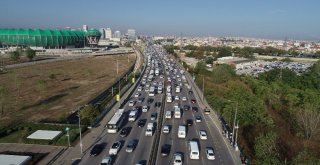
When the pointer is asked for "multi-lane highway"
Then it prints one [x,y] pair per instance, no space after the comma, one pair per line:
[162,72]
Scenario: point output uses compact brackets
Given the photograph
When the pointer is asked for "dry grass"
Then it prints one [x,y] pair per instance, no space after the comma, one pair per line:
[51,91]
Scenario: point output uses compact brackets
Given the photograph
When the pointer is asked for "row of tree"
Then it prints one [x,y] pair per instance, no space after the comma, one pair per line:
[275,110]
[16,55]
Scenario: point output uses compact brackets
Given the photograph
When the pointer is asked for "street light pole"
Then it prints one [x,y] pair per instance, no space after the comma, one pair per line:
[202,88]
[234,123]
[81,151]
[236,144]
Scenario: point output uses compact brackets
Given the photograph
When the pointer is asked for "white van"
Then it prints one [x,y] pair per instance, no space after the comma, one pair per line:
[194,150]
[182,131]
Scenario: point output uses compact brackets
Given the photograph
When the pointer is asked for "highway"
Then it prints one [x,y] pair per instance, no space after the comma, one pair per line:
[171,75]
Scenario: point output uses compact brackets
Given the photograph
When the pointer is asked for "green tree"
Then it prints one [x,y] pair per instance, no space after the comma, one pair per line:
[287,59]
[308,118]
[200,67]
[224,52]
[306,158]
[30,53]
[3,99]
[15,55]
[209,60]
[266,149]
[88,114]
[223,73]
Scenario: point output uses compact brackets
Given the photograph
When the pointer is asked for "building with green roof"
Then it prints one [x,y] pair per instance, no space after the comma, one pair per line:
[48,38]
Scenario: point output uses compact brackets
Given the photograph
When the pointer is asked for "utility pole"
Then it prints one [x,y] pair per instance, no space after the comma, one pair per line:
[117,67]
[119,93]
[236,143]
[202,88]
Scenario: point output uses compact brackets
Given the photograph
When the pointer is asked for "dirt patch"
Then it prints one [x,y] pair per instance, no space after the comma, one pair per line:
[49,91]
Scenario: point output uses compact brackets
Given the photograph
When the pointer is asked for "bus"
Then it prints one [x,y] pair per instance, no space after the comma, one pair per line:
[115,122]
[194,150]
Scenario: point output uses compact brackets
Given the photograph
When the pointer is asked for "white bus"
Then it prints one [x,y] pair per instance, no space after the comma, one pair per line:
[115,122]
[182,131]
[177,112]
[194,150]
[133,115]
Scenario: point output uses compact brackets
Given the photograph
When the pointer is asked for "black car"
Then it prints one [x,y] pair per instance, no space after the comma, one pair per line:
[190,92]
[165,150]
[125,131]
[150,100]
[141,122]
[186,107]
[157,104]
[195,109]
[193,101]
[189,122]
[96,150]
[141,99]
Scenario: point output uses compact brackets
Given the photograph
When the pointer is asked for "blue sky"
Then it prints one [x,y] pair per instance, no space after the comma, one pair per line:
[296,19]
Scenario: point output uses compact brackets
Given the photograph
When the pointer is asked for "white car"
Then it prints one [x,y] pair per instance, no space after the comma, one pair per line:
[131,103]
[161,76]
[140,89]
[184,98]
[203,135]
[176,98]
[145,108]
[166,129]
[146,89]
[177,159]
[115,148]
[107,160]
[210,153]
[137,95]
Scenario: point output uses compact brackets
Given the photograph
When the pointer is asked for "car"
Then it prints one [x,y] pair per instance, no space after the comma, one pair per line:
[195,109]
[190,92]
[145,108]
[157,104]
[193,101]
[141,122]
[141,99]
[198,119]
[131,103]
[146,89]
[153,116]
[125,131]
[115,148]
[210,153]
[131,146]
[106,160]
[203,134]
[161,76]
[184,98]
[177,159]
[189,122]
[139,88]
[150,100]
[176,98]
[166,129]
[137,95]
[186,107]
[96,150]
[165,150]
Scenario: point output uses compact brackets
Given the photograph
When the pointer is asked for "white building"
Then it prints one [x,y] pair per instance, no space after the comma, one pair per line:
[85,28]
[131,34]
[117,34]
[108,34]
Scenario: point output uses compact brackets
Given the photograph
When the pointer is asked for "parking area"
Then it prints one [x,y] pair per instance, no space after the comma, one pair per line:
[254,68]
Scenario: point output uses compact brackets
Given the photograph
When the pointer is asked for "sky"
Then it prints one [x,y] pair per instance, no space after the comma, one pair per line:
[272,19]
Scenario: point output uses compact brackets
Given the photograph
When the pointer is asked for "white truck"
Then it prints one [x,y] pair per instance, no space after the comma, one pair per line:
[149,130]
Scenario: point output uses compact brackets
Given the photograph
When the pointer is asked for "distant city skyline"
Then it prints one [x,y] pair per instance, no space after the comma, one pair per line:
[272,19]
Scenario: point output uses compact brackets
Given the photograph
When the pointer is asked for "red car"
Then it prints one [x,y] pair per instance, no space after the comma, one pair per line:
[193,101]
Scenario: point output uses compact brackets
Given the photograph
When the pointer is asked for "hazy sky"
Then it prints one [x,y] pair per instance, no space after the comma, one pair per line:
[296,19]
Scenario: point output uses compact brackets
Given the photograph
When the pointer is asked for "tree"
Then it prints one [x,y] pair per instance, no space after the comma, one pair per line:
[15,55]
[224,52]
[223,73]
[266,149]
[308,118]
[30,53]
[3,99]
[200,67]
[88,114]
[209,60]
[306,158]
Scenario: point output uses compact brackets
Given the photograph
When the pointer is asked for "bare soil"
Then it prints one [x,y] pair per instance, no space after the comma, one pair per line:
[52,91]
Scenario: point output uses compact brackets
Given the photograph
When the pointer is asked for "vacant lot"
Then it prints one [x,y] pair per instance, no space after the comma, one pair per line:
[52,91]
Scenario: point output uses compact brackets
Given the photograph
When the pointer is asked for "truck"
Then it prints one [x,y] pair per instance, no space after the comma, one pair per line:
[150,129]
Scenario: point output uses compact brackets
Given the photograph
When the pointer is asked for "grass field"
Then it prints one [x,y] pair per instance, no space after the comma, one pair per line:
[52,91]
